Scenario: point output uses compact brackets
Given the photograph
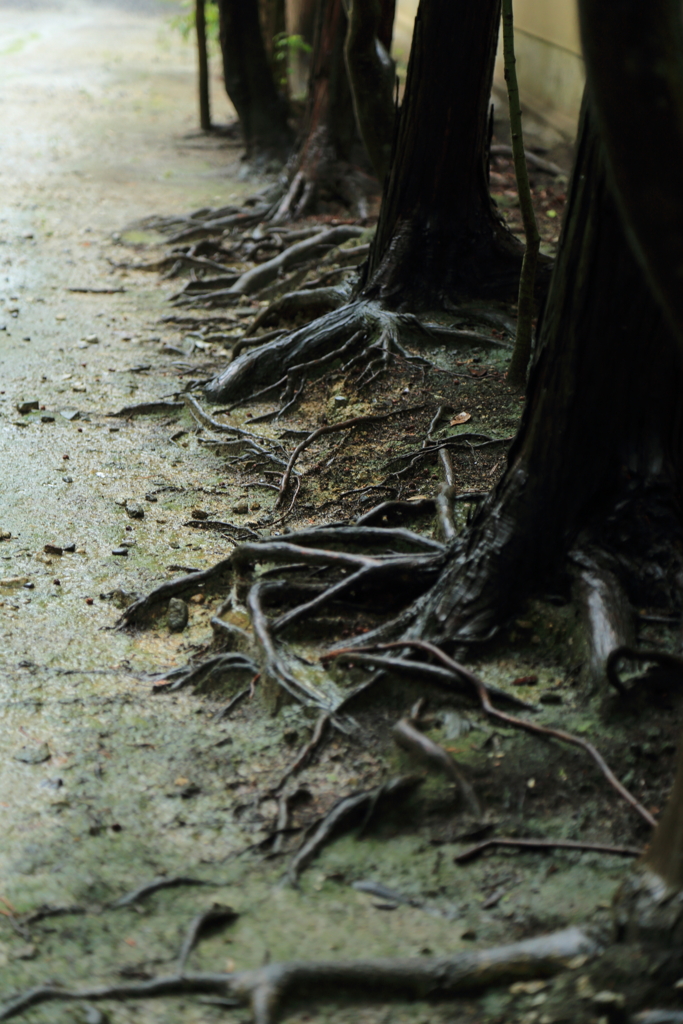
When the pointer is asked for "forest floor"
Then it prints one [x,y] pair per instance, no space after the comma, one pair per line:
[106,784]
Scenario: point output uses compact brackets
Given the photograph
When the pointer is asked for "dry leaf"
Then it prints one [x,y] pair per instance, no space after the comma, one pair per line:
[462,417]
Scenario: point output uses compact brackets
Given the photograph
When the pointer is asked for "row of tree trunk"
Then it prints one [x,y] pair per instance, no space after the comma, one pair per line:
[598,457]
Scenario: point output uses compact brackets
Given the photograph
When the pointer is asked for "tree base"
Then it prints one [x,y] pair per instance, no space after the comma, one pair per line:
[360,330]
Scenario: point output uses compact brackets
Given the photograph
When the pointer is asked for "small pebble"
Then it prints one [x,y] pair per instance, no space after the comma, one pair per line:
[123,552]
[68,479]
[241,509]
[89,600]
[5,535]
[151,497]
[53,549]
[199,513]
[178,614]
[33,755]
[134,511]
[47,419]
[70,414]
[25,407]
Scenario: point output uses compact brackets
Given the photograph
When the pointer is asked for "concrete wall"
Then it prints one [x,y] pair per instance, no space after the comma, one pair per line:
[549,63]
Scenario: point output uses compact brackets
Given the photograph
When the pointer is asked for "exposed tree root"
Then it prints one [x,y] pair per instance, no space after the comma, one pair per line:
[410,738]
[545,844]
[263,368]
[518,723]
[253,280]
[267,990]
[624,653]
[606,610]
[346,813]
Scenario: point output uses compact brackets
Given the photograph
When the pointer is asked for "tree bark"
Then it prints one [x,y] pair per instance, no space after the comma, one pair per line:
[322,164]
[439,237]
[249,81]
[203,66]
[634,64]
[603,424]
[371,77]
[273,25]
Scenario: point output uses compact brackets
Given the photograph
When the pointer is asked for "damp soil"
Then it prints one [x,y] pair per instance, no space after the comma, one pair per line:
[107,782]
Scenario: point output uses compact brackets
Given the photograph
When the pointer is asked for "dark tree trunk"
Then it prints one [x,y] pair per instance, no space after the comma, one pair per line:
[322,166]
[249,82]
[439,237]
[203,67]
[272,16]
[603,426]
[371,74]
[385,31]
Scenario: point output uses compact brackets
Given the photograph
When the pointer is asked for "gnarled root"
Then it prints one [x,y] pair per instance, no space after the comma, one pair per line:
[267,989]
[264,367]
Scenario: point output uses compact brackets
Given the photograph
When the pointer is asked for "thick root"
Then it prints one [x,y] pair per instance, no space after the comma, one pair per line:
[267,989]
[266,366]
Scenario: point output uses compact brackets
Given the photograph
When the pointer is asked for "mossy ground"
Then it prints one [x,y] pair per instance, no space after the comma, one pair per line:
[139,784]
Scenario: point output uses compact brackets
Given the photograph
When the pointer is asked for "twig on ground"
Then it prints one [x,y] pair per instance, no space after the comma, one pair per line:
[544,844]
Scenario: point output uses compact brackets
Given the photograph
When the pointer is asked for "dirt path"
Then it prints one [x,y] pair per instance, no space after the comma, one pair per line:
[103,785]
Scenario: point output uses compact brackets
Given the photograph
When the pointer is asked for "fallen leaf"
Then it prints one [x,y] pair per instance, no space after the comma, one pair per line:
[476,372]
[525,681]
[462,417]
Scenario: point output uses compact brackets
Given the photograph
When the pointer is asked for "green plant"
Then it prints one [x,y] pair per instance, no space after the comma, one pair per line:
[184,22]
[284,47]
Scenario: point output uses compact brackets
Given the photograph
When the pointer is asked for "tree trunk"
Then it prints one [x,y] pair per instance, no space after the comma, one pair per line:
[273,27]
[300,23]
[321,168]
[634,63]
[602,428]
[439,237]
[371,74]
[249,82]
[203,67]
[385,31]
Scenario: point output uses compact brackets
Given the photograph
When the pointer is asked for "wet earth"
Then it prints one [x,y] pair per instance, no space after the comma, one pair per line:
[106,784]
